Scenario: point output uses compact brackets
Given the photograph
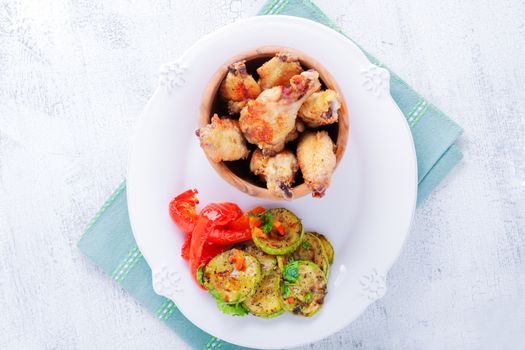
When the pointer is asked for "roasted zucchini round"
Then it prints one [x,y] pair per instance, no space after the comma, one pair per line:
[275,243]
[267,261]
[282,260]
[266,302]
[328,248]
[225,282]
[310,249]
[303,288]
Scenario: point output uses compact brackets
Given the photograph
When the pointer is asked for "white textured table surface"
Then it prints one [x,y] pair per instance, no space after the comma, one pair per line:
[74,75]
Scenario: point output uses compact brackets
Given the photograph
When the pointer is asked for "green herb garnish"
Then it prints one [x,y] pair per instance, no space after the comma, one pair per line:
[267,222]
[308,296]
[232,309]
[305,244]
[291,271]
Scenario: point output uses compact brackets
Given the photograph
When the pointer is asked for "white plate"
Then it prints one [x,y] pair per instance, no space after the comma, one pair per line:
[366,212]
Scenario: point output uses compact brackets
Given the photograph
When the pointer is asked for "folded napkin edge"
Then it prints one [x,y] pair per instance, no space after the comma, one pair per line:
[107,203]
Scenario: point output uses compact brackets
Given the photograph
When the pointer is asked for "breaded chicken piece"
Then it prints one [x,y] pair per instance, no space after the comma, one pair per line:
[258,163]
[267,120]
[278,70]
[238,87]
[296,132]
[278,171]
[222,140]
[320,109]
[316,156]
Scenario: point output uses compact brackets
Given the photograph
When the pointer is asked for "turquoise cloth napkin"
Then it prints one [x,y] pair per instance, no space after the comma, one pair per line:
[109,242]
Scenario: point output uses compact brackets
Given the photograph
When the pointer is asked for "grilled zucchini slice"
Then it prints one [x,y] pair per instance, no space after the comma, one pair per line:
[310,249]
[268,262]
[276,244]
[228,284]
[266,302]
[328,248]
[282,260]
[303,289]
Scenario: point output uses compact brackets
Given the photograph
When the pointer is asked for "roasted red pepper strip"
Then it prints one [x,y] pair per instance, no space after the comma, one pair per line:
[185,249]
[211,216]
[243,222]
[210,251]
[183,210]
[239,224]
[257,210]
[235,231]
[224,236]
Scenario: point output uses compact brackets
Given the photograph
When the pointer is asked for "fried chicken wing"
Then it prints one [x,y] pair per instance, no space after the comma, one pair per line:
[238,87]
[267,120]
[278,70]
[278,171]
[258,163]
[316,156]
[321,108]
[296,132]
[222,140]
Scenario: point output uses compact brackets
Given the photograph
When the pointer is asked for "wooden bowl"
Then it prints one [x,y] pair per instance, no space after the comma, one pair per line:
[237,173]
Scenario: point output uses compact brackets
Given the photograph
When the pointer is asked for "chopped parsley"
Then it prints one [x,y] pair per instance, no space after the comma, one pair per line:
[291,271]
[308,296]
[267,222]
[305,244]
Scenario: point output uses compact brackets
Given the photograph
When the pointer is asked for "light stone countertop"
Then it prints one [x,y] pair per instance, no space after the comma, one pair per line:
[75,74]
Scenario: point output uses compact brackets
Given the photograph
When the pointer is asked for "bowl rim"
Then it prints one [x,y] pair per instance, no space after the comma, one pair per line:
[211,91]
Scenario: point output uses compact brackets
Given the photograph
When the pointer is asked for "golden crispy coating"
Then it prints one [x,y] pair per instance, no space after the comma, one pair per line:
[315,153]
[278,70]
[320,109]
[238,87]
[296,132]
[235,107]
[258,163]
[267,120]
[278,171]
[222,140]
